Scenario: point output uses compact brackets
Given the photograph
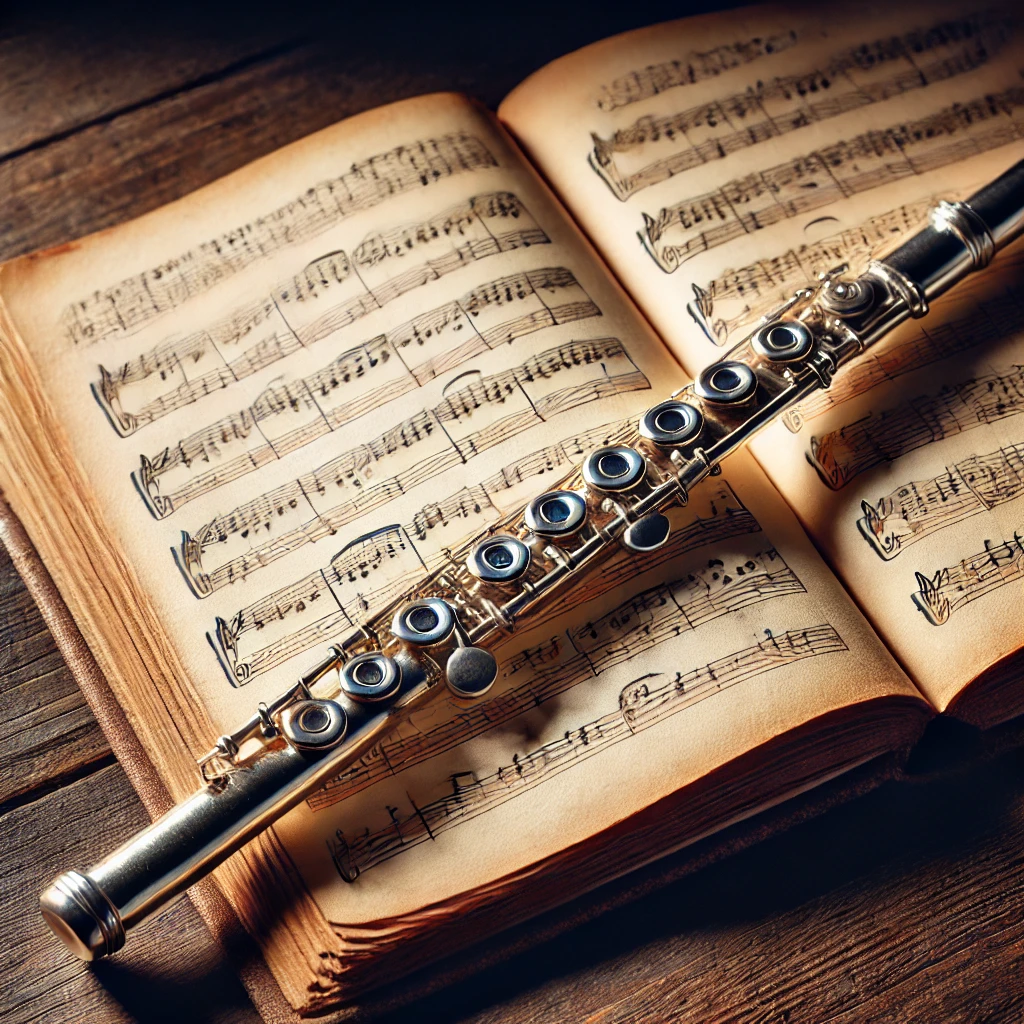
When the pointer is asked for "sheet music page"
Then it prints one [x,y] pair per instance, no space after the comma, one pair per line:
[721,163]
[908,472]
[293,391]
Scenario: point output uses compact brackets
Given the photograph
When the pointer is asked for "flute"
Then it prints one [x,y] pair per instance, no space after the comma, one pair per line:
[438,636]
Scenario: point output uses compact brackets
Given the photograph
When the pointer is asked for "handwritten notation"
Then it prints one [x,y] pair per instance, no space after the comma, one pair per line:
[852,78]
[329,294]
[918,509]
[737,298]
[374,568]
[827,175]
[949,590]
[290,415]
[696,67]
[650,618]
[873,440]
[131,304]
[642,704]
[993,320]
[419,448]
[385,556]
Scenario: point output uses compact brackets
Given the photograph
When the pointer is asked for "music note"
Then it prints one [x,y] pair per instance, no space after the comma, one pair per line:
[867,161]
[844,453]
[696,67]
[325,296]
[125,307]
[642,704]
[738,296]
[697,135]
[419,448]
[561,663]
[918,509]
[951,589]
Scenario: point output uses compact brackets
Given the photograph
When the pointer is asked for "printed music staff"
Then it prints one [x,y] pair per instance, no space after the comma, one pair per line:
[850,79]
[124,308]
[327,295]
[642,705]
[821,177]
[288,416]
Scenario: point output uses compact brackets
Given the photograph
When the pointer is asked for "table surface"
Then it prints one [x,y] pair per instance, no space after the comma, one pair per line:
[905,905]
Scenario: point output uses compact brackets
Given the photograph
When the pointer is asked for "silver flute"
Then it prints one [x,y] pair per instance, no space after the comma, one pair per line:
[437,636]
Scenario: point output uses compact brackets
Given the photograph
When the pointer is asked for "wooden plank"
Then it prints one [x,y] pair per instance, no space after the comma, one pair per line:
[108,173]
[91,62]
[102,66]
[47,732]
[905,906]
[122,167]
[171,970]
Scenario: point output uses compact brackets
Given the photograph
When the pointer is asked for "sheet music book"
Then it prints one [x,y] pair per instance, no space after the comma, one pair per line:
[238,425]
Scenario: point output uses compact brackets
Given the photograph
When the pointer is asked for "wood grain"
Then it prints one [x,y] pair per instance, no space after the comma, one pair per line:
[105,69]
[47,733]
[906,906]
[172,971]
[131,162]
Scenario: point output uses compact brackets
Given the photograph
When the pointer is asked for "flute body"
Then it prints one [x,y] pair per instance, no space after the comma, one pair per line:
[439,635]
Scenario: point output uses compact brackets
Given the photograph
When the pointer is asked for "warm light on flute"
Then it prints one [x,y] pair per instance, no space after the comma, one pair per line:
[439,635]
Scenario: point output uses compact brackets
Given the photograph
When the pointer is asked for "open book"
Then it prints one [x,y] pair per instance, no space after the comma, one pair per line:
[236,426]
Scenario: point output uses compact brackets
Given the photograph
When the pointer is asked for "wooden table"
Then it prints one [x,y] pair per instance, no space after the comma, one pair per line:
[906,905]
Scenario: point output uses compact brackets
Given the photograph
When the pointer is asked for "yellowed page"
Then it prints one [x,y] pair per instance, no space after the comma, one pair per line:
[732,636]
[718,162]
[721,163]
[292,391]
[909,474]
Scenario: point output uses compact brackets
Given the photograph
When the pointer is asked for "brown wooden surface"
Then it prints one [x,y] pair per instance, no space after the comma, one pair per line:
[47,735]
[907,905]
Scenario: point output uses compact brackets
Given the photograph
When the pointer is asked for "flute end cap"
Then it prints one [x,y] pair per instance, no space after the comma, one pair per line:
[80,915]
